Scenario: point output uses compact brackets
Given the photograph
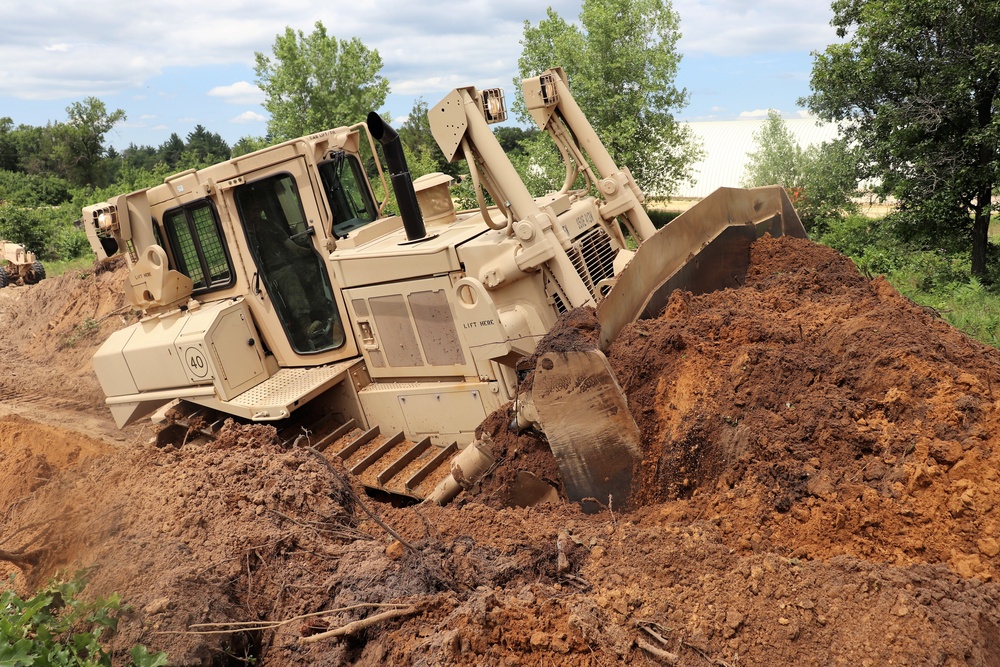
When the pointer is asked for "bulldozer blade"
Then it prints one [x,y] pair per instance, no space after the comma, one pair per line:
[527,490]
[585,417]
[704,249]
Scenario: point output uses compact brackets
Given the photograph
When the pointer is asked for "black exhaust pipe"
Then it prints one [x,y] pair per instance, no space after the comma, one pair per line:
[402,184]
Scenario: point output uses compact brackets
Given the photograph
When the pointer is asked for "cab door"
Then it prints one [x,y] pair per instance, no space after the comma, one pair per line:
[290,287]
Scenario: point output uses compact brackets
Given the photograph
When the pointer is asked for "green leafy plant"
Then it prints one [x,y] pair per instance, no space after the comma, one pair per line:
[57,628]
[83,329]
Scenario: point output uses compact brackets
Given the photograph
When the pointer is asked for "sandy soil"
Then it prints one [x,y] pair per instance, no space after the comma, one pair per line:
[819,487]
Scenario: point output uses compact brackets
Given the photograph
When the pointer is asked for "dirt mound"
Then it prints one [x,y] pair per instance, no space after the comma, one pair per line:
[48,334]
[818,488]
[818,413]
[30,453]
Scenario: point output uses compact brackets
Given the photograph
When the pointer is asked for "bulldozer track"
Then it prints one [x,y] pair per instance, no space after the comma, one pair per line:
[390,464]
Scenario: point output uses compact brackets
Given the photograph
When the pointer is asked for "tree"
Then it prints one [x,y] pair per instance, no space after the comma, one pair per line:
[622,61]
[206,147]
[513,138]
[820,180]
[423,155]
[776,159]
[139,157]
[8,146]
[79,142]
[915,87]
[317,82]
[250,144]
[171,151]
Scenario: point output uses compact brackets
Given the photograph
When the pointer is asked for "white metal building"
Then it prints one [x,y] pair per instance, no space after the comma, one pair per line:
[726,144]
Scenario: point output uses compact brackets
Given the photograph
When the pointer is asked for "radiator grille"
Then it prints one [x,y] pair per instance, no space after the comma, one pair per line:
[593,258]
[592,255]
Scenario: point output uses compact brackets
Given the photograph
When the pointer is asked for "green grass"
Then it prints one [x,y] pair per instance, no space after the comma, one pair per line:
[78,264]
[970,306]
[934,278]
[994,230]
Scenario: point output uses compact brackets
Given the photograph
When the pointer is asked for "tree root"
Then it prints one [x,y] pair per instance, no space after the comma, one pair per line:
[659,653]
[22,559]
[256,626]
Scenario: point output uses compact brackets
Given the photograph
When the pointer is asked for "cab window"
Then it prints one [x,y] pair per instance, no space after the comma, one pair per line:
[291,270]
[347,193]
[198,248]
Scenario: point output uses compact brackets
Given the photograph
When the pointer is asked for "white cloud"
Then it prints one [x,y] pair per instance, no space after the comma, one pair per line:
[427,47]
[756,113]
[412,38]
[240,92]
[164,62]
[740,28]
[248,117]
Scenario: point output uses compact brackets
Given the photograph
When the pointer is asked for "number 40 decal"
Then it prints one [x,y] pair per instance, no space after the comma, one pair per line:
[196,362]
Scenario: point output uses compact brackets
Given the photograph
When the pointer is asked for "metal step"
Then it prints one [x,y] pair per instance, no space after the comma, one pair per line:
[390,464]
[393,464]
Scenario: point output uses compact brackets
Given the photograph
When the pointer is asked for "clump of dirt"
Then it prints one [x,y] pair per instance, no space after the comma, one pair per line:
[517,455]
[818,487]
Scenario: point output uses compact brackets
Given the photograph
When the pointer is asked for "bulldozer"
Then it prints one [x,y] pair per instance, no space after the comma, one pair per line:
[275,287]
[20,267]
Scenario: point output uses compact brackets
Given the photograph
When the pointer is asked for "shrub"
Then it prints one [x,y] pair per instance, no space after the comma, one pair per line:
[56,628]
[28,226]
[32,189]
[659,217]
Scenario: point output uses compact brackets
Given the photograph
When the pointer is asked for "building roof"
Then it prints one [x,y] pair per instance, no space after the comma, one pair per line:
[726,144]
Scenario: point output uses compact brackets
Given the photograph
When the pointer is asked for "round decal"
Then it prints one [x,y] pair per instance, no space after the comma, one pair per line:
[196,363]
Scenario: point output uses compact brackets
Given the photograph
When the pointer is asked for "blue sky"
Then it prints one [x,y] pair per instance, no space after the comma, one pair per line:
[175,64]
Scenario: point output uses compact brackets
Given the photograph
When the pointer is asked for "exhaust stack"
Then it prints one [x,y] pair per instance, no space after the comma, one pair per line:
[402,184]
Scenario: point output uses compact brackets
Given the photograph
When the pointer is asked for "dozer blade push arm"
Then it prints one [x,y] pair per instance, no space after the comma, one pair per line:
[555,111]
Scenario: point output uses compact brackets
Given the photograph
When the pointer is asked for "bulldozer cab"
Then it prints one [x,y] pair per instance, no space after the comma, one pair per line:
[264,234]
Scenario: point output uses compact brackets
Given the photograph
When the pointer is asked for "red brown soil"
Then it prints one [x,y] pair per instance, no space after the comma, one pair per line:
[819,487]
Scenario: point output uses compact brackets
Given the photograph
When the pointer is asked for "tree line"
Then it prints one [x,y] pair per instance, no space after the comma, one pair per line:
[74,151]
[48,173]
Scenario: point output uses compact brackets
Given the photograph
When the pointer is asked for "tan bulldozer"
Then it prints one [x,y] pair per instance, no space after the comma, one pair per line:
[275,288]
[19,267]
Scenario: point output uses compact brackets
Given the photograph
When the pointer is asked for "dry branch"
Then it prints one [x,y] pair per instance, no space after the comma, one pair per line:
[347,486]
[659,653]
[357,626]
[253,626]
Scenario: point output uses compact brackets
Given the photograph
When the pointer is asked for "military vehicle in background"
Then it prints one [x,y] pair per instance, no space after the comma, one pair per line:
[19,267]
